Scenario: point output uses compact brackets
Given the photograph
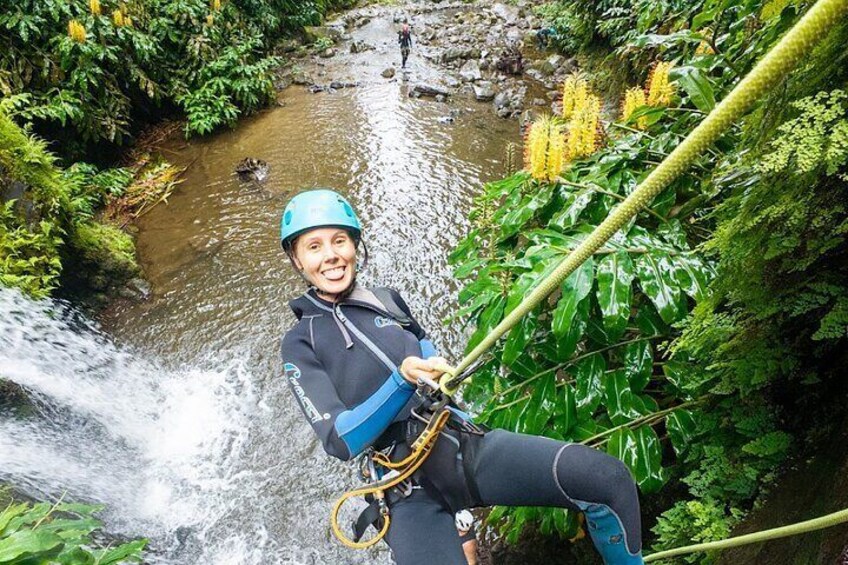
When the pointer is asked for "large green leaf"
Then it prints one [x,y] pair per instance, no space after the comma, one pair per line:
[575,288]
[27,542]
[638,361]
[565,416]
[117,554]
[575,203]
[681,427]
[540,407]
[650,474]
[697,86]
[615,275]
[489,318]
[518,338]
[622,405]
[588,374]
[567,344]
[692,276]
[11,511]
[655,272]
[518,215]
[641,452]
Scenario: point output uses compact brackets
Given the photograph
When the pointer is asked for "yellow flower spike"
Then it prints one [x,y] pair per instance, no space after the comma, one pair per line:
[660,90]
[544,149]
[94,5]
[633,99]
[118,18]
[575,91]
[583,131]
[76,31]
[210,19]
[216,5]
[128,21]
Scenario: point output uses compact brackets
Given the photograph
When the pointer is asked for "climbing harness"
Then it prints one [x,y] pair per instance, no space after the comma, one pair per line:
[436,417]
[778,62]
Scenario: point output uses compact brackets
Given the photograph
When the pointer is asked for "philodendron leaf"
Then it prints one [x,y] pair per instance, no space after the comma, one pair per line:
[615,275]
[622,444]
[540,408]
[622,405]
[574,290]
[655,273]
[589,392]
[681,427]
[638,364]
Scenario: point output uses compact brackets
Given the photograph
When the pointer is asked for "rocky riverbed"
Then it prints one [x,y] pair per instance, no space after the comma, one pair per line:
[487,53]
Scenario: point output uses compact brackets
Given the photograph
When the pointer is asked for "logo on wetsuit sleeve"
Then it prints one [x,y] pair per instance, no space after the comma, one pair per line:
[293,375]
[382,322]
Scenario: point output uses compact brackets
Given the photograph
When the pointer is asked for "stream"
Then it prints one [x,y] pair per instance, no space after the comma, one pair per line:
[172,411]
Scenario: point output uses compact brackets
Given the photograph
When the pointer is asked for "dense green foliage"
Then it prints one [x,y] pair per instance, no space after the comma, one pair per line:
[59,533]
[209,57]
[49,220]
[674,348]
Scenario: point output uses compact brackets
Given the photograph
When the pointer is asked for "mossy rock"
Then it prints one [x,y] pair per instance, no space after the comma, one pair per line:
[104,255]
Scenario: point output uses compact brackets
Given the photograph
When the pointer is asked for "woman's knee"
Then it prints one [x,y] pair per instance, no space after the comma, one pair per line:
[589,475]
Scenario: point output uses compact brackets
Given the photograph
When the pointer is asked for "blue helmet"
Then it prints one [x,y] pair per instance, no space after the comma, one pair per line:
[317,209]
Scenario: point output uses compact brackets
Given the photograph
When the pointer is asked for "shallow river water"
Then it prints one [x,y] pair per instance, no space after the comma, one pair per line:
[172,411]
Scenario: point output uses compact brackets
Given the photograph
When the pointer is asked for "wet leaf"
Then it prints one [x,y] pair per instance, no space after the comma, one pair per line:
[489,318]
[692,276]
[655,271]
[638,364]
[615,291]
[567,344]
[650,474]
[518,338]
[681,427]
[589,394]
[540,408]
[575,288]
[568,216]
[565,416]
[622,405]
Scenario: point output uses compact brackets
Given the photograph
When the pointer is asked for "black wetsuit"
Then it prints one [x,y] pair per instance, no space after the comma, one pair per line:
[354,398]
[405,42]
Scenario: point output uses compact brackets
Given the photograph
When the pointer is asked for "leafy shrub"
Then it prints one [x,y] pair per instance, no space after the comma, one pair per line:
[59,533]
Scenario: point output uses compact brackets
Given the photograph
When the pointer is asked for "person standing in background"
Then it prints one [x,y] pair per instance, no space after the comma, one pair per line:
[405,42]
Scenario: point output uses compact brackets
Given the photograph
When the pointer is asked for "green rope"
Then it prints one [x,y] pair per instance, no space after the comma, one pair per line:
[765,535]
[783,57]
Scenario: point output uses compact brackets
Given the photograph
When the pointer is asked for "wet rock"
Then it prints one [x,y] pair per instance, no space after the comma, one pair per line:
[252,169]
[428,90]
[316,88]
[509,14]
[554,95]
[452,81]
[327,53]
[364,20]
[539,102]
[388,72]
[458,52]
[136,289]
[484,91]
[360,47]
[446,119]
[314,33]
[301,78]
[470,71]
[535,74]
[510,61]
[441,98]
[288,45]
[337,85]
[556,61]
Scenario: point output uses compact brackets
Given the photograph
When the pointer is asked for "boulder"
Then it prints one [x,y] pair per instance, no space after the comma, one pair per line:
[314,33]
[470,71]
[428,90]
[484,91]
[360,47]
[441,98]
[327,53]
[456,53]
[509,14]
[452,81]
[388,72]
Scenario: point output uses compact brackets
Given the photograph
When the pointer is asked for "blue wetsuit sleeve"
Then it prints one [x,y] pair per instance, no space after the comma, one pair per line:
[343,432]
[361,426]
[427,349]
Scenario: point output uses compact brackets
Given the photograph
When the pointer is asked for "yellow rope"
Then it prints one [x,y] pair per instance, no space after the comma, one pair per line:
[420,450]
[765,535]
[790,50]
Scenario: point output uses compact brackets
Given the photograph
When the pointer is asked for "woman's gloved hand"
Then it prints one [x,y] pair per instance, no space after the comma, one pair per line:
[414,368]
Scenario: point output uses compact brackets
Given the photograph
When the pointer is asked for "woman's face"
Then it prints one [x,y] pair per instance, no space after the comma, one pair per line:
[327,257]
